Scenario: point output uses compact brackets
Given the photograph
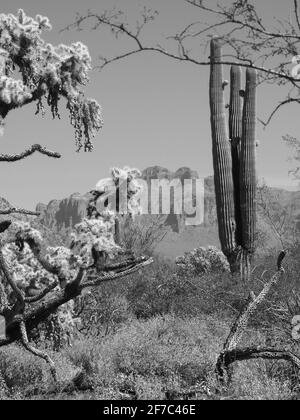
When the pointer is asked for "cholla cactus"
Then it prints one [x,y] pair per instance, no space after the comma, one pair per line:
[48,73]
[130,177]
[31,278]
[36,266]
[202,260]
[118,193]
[94,235]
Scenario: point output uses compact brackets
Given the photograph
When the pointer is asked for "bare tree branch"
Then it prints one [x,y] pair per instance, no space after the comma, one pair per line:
[280,105]
[121,28]
[254,45]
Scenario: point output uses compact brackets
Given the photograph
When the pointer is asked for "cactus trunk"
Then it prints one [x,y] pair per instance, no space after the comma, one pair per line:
[222,157]
[234,162]
[235,135]
[248,169]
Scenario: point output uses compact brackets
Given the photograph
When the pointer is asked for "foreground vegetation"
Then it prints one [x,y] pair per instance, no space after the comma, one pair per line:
[157,336]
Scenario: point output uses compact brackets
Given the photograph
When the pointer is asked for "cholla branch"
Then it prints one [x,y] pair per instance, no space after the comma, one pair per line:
[29,152]
[251,306]
[43,293]
[35,351]
[39,250]
[118,266]
[9,276]
[16,210]
[250,353]
[139,264]
[230,351]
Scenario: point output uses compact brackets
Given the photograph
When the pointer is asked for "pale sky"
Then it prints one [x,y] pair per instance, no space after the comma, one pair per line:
[156,111]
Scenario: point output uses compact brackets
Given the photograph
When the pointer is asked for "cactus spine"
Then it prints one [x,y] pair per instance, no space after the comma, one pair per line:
[234,162]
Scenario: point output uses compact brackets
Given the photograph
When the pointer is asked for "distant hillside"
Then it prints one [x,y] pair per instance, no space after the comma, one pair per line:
[59,215]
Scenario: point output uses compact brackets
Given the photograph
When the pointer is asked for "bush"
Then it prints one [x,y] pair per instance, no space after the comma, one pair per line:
[168,357]
[22,374]
[104,310]
[201,261]
[147,359]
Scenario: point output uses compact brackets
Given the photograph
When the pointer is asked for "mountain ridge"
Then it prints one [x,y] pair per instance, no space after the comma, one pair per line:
[61,215]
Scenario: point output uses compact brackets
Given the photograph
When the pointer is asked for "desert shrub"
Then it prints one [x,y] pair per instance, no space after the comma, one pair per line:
[145,359]
[155,291]
[22,374]
[58,330]
[162,290]
[251,382]
[20,370]
[169,357]
[143,233]
[84,355]
[102,311]
[202,260]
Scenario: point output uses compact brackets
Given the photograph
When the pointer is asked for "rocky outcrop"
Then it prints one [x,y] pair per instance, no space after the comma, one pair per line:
[63,214]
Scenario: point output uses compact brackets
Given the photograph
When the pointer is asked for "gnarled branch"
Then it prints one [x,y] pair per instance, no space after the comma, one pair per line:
[35,351]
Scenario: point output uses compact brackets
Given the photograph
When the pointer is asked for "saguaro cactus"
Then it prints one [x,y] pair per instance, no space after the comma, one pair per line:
[222,157]
[234,161]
